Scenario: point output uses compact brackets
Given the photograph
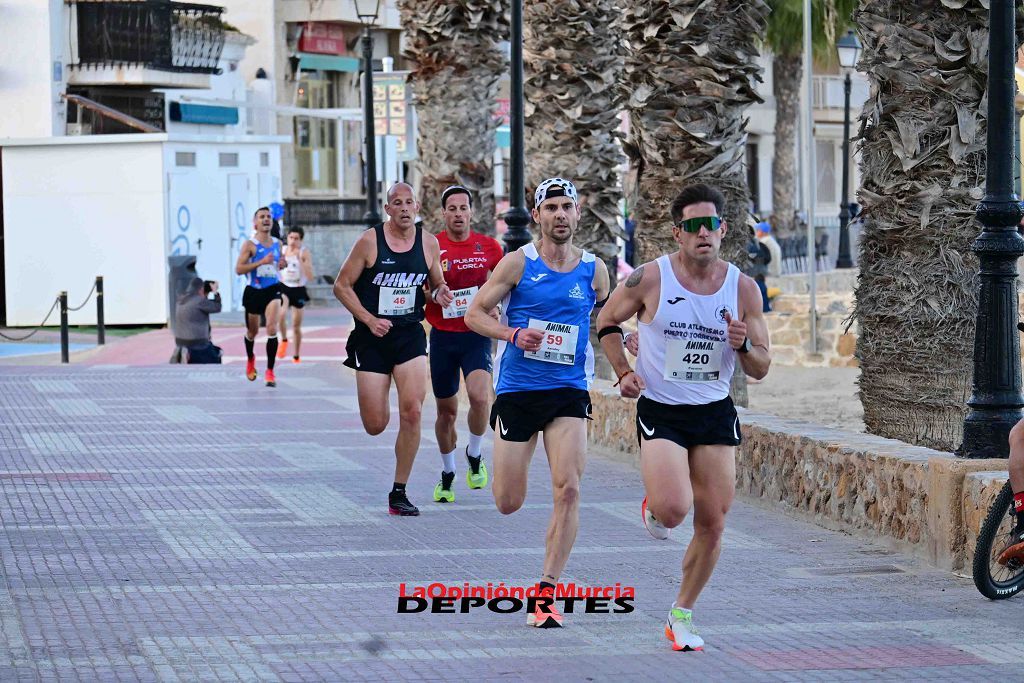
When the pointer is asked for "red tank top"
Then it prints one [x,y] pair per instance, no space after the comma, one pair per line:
[464,265]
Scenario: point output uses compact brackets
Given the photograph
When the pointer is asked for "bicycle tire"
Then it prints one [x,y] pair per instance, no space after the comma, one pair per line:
[991,587]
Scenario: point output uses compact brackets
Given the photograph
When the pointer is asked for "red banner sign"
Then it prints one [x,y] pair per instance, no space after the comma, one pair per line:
[323,38]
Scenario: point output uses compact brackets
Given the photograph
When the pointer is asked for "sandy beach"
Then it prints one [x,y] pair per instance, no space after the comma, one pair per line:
[826,396]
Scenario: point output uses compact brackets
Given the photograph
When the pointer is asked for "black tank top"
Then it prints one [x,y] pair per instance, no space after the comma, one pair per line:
[393,287]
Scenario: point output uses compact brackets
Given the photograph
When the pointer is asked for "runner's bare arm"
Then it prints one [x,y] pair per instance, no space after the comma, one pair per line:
[307,264]
[505,276]
[755,363]
[626,301]
[242,266]
[601,283]
[362,256]
[440,293]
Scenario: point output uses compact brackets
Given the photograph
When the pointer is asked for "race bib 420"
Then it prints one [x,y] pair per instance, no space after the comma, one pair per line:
[691,360]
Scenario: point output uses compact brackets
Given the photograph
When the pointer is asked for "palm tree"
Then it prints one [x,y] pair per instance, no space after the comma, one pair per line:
[456,48]
[829,18]
[690,69]
[923,168]
[572,65]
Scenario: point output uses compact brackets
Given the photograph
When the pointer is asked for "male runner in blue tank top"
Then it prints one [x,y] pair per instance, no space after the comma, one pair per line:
[697,315]
[259,260]
[543,369]
[381,284]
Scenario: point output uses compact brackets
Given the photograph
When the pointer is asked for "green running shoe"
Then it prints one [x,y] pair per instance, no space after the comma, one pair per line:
[443,491]
[476,475]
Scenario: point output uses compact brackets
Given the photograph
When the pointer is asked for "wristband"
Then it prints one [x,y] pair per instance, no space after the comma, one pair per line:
[433,295]
[621,376]
[512,337]
[609,329]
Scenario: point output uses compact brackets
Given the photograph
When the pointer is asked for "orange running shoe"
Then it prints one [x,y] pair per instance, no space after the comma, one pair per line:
[1015,551]
[295,359]
[271,380]
[282,348]
[250,369]
[545,617]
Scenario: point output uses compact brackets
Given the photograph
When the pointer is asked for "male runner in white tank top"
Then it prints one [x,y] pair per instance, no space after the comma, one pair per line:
[697,315]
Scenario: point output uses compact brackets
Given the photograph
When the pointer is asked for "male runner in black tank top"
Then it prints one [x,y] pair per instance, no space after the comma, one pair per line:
[381,284]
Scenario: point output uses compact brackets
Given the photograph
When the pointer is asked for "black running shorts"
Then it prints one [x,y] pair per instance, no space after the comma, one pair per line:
[255,301]
[711,424]
[297,296]
[518,415]
[452,352]
[369,353]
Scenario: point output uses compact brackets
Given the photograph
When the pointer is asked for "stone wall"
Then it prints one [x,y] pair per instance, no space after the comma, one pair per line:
[923,501]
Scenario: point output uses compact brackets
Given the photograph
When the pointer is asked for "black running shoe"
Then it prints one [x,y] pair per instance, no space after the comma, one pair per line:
[398,504]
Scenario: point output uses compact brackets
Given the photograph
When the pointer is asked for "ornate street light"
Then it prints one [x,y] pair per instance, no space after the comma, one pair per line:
[516,217]
[848,48]
[996,400]
[368,11]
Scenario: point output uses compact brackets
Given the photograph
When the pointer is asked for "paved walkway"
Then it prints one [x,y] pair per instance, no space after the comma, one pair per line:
[180,523]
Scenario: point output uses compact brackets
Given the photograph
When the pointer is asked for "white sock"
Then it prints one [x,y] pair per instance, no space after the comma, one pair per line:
[449,461]
[474,444]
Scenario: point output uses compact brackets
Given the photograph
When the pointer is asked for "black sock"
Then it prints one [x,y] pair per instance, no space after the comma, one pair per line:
[398,488]
[271,352]
[249,351]
[546,586]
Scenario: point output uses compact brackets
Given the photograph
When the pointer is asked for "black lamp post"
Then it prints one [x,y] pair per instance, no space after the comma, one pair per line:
[848,48]
[517,217]
[996,400]
[368,18]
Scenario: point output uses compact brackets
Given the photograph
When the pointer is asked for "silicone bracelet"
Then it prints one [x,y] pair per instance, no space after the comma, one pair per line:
[621,376]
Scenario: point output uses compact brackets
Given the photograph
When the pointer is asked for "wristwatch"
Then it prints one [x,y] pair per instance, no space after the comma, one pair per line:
[745,346]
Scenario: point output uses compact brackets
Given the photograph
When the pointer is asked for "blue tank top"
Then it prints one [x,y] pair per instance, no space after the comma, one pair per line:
[558,304]
[266,275]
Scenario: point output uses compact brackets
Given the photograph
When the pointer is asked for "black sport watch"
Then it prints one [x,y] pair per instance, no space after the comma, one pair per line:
[745,346]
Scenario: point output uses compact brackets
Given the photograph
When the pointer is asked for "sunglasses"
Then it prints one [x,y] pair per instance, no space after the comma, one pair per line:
[693,225]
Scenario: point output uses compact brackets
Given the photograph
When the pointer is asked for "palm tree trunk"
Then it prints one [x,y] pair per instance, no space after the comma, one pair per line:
[786,77]
[572,66]
[458,63]
[923,168]
[690,69]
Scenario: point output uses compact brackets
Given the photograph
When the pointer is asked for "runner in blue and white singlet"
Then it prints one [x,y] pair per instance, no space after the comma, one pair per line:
[544,368]
[698,316]
[258,261]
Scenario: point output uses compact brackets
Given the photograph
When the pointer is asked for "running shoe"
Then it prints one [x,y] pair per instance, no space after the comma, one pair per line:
[545,617]
[1015,551]
[476,475]
[295,359]
[443,491]
[250,369]
[656,528]
[679,629]
[282,349]
[398,504]
[271,380]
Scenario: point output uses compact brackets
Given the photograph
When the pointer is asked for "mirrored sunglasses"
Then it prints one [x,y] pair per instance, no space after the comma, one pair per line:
[694,225]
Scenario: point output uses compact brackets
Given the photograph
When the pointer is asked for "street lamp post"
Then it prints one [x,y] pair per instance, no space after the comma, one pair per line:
[368,11]
[516,217]
[996,400]
[848,48]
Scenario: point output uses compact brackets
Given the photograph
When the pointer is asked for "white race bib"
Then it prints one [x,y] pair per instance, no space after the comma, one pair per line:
[396,300]
[267,270]
[701,362]
[460,303]
[558,344]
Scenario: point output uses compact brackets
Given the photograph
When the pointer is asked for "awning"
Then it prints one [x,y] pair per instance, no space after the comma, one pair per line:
[312,62]
[203,113]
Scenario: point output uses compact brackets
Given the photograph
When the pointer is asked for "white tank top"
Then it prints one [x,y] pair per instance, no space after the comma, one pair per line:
[292,275]
[685,357]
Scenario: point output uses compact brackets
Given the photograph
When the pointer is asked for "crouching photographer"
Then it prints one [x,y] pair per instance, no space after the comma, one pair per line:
[192,312]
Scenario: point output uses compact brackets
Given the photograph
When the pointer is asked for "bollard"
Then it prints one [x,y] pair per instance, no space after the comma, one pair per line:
[64,327]
[101,335]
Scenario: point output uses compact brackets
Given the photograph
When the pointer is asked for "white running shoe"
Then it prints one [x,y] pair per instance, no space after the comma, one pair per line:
[681,632]
[656,528]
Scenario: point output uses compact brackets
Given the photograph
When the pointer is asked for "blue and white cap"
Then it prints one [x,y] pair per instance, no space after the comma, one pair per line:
[555,187]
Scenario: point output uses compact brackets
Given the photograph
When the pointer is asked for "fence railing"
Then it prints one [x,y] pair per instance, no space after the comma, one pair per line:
[62,303]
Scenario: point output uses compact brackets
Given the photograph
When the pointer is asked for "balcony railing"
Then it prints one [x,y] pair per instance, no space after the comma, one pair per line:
[156,34]
[828,92]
